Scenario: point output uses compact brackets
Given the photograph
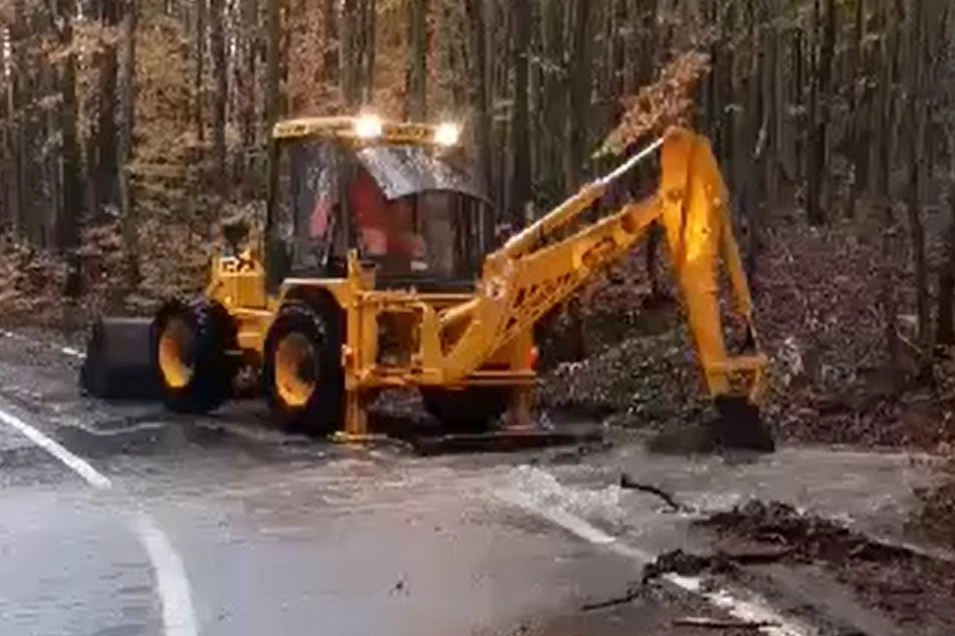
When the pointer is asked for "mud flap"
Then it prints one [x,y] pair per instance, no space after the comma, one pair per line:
[118,362]
[740,426]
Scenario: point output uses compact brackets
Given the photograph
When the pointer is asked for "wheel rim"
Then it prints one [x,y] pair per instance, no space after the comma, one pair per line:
[296,369]
[176,345]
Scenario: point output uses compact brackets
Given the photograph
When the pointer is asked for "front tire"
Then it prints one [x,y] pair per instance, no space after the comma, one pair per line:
[302,376]
[191,346]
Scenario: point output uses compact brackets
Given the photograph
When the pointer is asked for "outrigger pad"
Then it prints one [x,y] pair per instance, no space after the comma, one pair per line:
[740,426]
[118,362]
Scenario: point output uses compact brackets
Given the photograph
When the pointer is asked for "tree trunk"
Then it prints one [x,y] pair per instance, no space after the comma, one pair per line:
[915,125]
[480,99]
[219,68]
[945,332]
[330,64]
[417,93]
[6,168]
[106,167]
[822,56]
[127,115]
[273,43]
[580,88]
[247,86]
[369,42]
[17,136]
[859,150]
[554,101]
[71,207]
[520,194]
[889,65]
[200,66]
[347,56]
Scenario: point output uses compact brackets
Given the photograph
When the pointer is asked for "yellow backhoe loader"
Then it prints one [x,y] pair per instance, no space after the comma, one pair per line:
[372,272]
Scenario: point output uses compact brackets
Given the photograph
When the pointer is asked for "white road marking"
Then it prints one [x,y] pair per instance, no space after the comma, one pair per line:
[753,609]
[177,614]
[173,585]
[77,464]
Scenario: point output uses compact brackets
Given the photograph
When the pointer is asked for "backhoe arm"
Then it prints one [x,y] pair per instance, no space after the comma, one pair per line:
[523,280]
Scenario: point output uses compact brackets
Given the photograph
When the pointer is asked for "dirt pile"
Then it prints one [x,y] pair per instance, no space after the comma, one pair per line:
[914,590]
[642,381]
[815,292]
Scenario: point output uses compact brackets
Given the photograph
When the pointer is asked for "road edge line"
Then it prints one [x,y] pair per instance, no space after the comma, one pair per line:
[178,614]
[173,584]
[77,464]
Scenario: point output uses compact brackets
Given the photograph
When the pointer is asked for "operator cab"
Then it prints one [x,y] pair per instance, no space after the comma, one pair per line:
[410,207]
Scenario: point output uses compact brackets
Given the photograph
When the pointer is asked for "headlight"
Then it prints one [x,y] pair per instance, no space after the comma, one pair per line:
[447,134]
[368,126]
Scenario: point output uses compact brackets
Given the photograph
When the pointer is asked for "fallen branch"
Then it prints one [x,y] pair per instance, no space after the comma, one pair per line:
[627,483]
[687,564]
[715,623]
[620,600]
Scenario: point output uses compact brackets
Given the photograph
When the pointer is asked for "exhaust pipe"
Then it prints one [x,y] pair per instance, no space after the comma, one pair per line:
[119,360]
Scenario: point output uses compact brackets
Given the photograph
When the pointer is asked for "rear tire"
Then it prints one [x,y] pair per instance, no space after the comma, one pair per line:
[471,410]
[190,346]
[302,375]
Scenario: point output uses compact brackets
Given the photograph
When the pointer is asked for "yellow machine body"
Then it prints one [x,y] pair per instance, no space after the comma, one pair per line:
[454,341]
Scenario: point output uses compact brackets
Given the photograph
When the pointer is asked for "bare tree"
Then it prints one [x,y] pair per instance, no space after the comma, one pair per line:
[220,71]
[417,105]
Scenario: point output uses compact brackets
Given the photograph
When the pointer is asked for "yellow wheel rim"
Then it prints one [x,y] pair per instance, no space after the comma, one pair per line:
[296,369]
[175,353]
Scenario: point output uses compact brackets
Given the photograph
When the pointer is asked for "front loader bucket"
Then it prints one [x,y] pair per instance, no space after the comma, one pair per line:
[739,426]
[118,362]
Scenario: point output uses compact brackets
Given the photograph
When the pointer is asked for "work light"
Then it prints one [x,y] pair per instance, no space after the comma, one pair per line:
[368,126]
[447,134]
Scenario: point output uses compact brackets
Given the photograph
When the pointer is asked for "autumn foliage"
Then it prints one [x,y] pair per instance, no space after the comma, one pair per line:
[669,101]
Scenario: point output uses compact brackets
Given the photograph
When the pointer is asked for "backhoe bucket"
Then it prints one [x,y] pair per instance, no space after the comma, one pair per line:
[739,426]
[118,362]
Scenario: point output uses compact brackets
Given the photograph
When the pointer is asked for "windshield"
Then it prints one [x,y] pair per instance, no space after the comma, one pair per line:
[401,171]
[412,212]
[428,232]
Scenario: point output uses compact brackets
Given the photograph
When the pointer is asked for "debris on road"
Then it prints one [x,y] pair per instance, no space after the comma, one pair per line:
[627,483]
[721,562]
[912,589]
[715,623]
[633,593]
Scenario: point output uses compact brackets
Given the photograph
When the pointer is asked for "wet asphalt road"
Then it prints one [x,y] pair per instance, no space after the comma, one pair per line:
[266,533]
[274,534]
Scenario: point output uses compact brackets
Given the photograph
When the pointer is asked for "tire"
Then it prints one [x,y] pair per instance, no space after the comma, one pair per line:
[201,336]
[471,410]
[302,376]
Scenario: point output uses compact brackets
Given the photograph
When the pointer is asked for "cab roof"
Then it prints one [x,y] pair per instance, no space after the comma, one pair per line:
[343,129]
